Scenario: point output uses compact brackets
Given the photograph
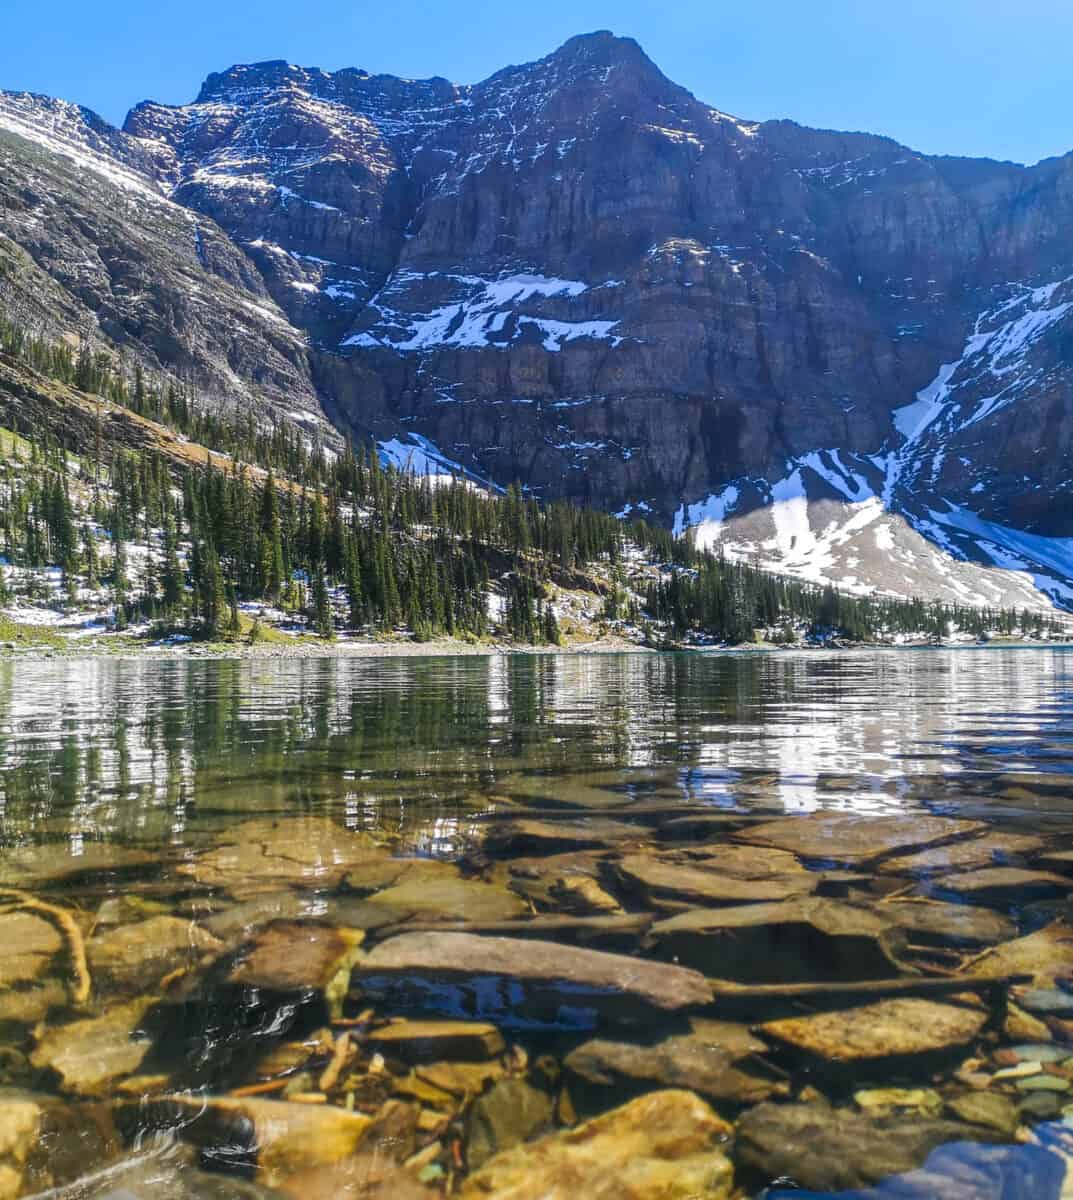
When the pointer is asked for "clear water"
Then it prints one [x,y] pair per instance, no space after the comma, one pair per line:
[168,756]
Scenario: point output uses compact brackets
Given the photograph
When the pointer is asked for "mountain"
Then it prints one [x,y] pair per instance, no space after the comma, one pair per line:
[823,351]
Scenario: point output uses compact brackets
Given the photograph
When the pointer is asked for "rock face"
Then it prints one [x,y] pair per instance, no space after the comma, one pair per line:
[578,274]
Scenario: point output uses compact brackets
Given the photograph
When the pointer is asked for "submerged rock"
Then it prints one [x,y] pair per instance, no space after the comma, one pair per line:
[663,1146]
[886,1029]
[993,1110]
[133,958]
[363,1177]
[661,879]
[511,1112]
[169,1174]
[610,931]
[424,1041]
[992,849]
[1046,955]
[705,1059]
[259,856]
[561,881]
[880,1101]
[28,944]
[90,1055]
[300,957]
[523,837]
[963,1171]
[29,867]
[276,1137]
[512,981]
[855,840]
[827,1149]
[1004,885]
[20,1124]
[796,940]
[936,922]
[450,897]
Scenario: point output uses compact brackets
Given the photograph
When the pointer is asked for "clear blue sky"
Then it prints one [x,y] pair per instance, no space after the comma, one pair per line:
[978,77]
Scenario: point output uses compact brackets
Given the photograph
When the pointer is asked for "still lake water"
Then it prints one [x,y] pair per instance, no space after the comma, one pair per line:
[164,758]
[160,753]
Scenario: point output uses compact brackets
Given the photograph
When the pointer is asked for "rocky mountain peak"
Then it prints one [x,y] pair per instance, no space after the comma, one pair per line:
[577,274]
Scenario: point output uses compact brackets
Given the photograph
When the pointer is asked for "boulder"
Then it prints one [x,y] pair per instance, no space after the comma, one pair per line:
[511,1112]
[793,941]
[133,958]
[89,1056]
[705,1059]
[855,840]
[827,1149]
[425,1041]
[666,1145]
[886,1029]
[513,981]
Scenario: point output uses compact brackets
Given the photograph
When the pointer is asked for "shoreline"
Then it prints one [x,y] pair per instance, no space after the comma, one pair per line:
[450,648]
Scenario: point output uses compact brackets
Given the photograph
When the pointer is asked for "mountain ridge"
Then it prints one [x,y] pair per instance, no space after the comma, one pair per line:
[577,274]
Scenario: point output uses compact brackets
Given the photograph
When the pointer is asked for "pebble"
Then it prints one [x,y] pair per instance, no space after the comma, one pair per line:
[1023,1070]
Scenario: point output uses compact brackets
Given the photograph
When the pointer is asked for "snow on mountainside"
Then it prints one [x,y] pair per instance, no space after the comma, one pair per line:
[882,522]
[805,344]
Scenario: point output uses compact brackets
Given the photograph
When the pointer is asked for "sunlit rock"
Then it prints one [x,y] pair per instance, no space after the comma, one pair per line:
[887,1029]
[667,1145]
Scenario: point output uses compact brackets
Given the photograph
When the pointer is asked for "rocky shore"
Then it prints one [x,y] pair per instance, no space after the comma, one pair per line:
[644,1008]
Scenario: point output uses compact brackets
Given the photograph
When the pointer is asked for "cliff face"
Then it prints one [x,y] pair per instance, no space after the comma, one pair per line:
[577,274]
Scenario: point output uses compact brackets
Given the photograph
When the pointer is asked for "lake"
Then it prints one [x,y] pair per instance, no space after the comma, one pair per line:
[281,872]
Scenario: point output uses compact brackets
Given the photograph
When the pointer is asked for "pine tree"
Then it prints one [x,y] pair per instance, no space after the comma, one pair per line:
[120,583]
[213,594]
[322,611]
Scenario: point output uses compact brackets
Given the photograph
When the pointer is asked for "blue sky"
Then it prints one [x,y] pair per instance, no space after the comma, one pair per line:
[977,77]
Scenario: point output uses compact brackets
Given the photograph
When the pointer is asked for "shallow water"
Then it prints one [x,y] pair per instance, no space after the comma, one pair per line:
[427,755]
